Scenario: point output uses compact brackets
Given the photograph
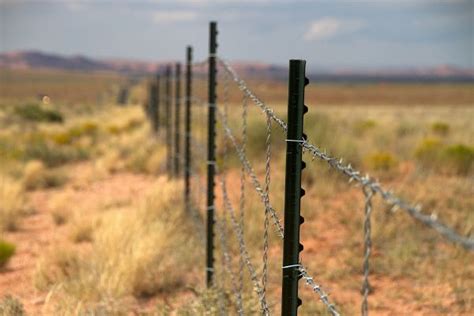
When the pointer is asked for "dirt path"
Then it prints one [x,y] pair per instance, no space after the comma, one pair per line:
[38,231]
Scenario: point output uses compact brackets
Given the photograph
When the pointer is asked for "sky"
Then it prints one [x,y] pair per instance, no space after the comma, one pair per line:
[330,34]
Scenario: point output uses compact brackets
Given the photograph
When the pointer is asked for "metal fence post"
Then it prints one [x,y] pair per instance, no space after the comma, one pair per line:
[157,102]
[177,118]
[167,118]
[211,153]
[187,147]
[152,106]
[293,190]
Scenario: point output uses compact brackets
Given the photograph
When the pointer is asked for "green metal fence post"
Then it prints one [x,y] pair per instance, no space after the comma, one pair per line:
[293,190]
[152,106]
[187,147]
[157,102]
[211,154]
[168,118]
[177,118]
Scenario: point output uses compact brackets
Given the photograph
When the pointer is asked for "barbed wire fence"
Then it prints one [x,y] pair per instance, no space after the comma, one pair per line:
[230,220]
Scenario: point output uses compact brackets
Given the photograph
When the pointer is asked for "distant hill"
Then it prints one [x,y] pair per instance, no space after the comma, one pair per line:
[36,60]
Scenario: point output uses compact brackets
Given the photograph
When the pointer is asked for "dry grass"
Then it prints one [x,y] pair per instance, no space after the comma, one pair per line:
[133,256]
[122,258]
[13,203]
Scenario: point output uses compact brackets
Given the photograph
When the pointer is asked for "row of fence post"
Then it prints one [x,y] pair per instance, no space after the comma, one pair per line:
[294,163]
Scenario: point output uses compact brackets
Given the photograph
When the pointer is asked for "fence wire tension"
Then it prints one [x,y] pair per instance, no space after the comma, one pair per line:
[196,158]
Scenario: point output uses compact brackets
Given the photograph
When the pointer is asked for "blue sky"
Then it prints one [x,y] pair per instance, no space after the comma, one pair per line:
[327,33]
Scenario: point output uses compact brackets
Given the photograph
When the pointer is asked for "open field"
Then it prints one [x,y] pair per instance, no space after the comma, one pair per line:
[99,229]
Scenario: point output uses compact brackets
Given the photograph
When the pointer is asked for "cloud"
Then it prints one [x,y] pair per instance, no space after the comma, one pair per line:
[329,27]
[166,17]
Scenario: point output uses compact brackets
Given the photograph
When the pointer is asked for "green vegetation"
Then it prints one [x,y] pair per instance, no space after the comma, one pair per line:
[459,158]
[7,250]
[440,128]
[381,161]
[434,154]
[34,112]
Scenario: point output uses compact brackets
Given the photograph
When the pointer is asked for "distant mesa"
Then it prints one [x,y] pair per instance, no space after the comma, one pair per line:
[41,60]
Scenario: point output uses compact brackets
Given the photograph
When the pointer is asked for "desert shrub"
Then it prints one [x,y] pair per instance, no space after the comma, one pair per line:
[428,152]
[383,161]
[440,128]
[8,149]
[36,176]
[38,148]
[458,158]
[7,250]
[10,306]
[405,129]
[34,112]
[12,203]
[361,127]
[67,137]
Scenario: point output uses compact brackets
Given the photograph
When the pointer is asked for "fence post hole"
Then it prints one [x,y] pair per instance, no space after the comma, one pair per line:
[177,118]
[187,133]
[167,118]
[157,101]
[211,155]
[293,190]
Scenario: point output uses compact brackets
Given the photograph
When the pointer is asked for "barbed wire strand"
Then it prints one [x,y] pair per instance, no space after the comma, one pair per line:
[309,280]
[355,175]
[266,223]
[242,245]
[367,249]
[226,260]
[242,188]
[249,169]
[235,287]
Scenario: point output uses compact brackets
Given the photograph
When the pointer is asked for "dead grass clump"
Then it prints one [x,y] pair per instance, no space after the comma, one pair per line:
[134,254]
[59,264]
[11,306]
[82,230]
[37,176]
[12,205]
[60,209]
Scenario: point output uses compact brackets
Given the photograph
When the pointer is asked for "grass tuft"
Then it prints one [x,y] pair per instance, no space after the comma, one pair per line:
[10,306]
[7,250]
[13,204]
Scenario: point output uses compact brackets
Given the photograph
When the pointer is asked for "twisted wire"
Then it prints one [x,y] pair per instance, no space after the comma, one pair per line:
[267,195]
[279,230]
[244,253]
[242,187]
[249,169]
[318,290]
[367,249]
[227,261]
[355,175]
[221,230]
